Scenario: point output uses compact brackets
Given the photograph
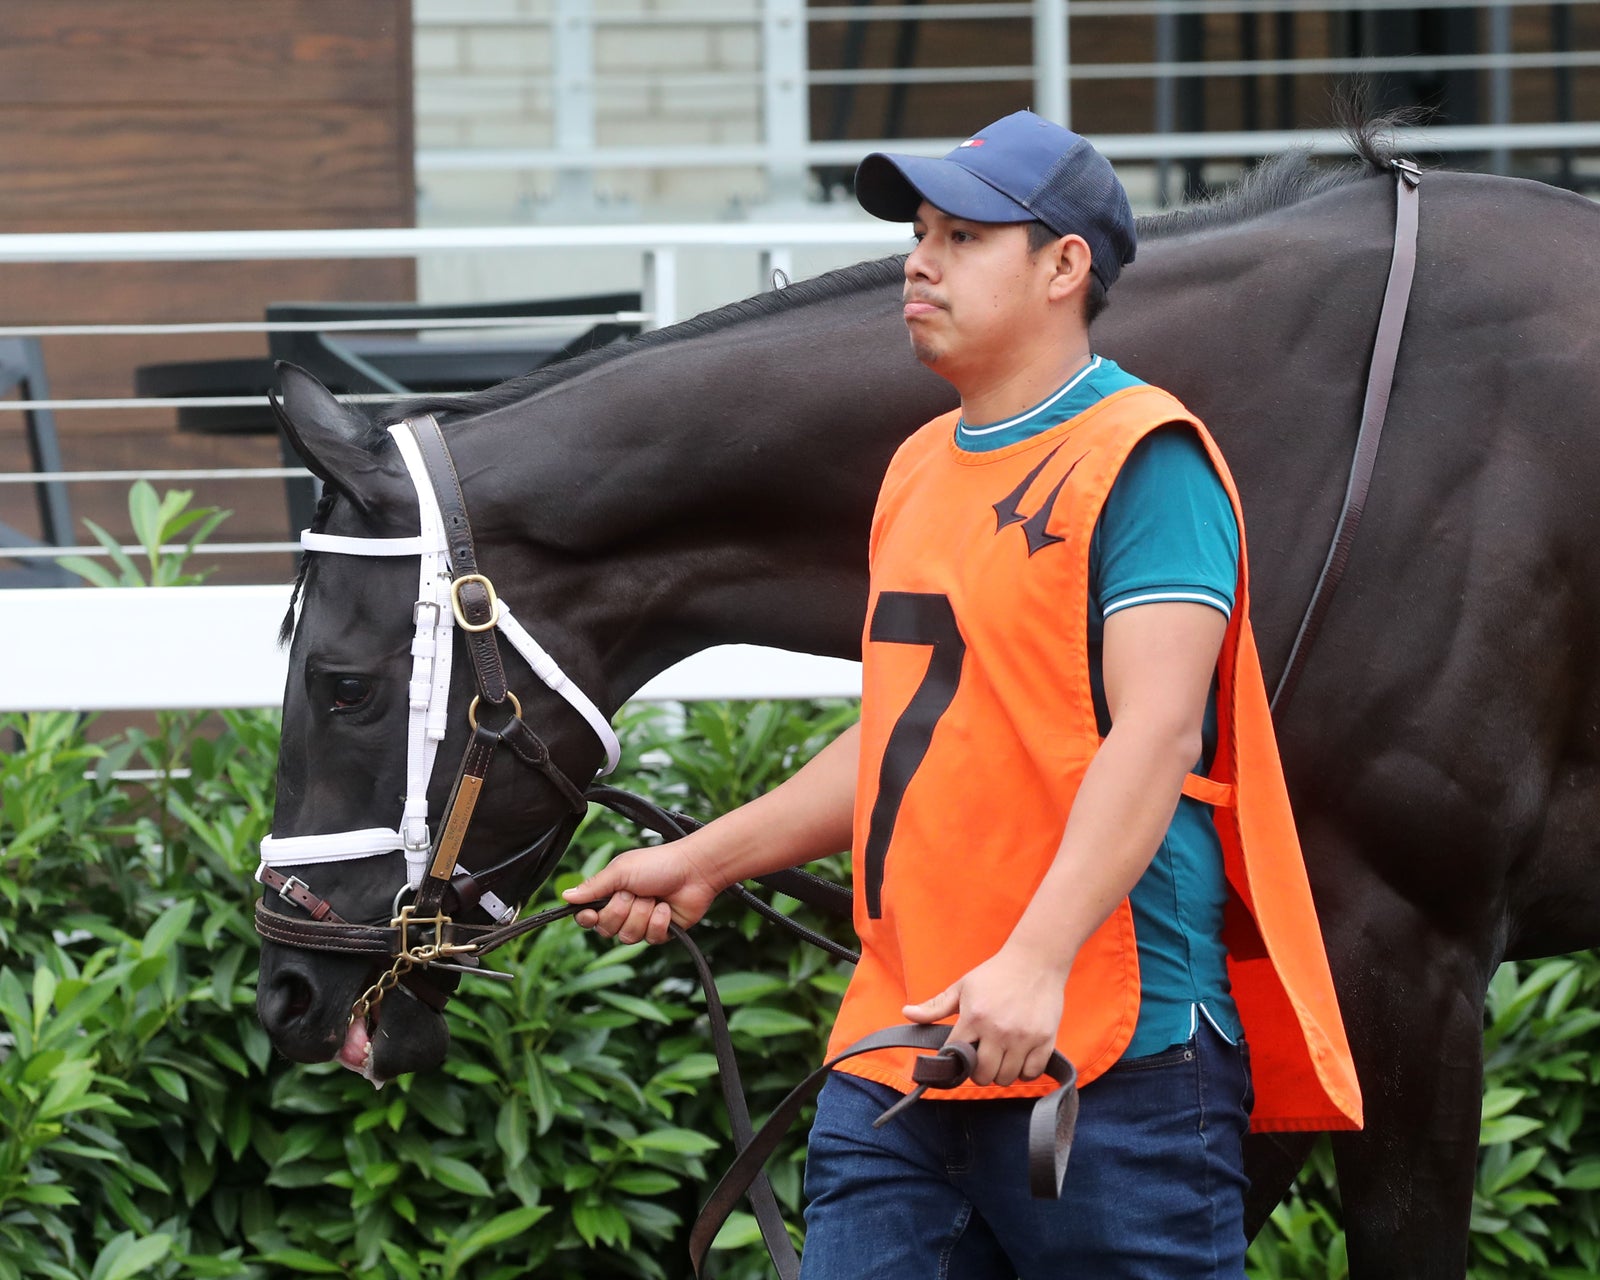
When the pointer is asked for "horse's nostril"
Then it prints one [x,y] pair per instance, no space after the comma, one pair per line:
[294,996]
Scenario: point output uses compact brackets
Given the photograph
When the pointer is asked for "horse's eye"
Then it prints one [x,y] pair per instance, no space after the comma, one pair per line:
[349,692]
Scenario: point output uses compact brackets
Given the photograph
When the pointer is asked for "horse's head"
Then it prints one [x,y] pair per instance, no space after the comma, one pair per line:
[385,662]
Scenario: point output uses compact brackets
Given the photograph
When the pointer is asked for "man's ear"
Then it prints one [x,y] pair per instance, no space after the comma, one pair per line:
[1071,275]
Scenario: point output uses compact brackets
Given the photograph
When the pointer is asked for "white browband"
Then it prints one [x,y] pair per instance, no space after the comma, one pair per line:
[366,546]
[432,647]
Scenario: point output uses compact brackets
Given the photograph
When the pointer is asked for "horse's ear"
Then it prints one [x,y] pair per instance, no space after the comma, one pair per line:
[327,435]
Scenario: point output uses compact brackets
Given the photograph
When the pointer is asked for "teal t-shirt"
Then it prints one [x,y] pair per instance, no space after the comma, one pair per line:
[1166,533]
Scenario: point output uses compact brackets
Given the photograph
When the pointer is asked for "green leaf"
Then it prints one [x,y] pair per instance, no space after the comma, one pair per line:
[460,1176]
[1583,1176]
[511,1131]
[740,1231]
[171,1082]
[763,1022]
[1507,1129]
[168,925]
[131,577]
[144,511]
[641,1009]
[1496,1102]
[505,1226]
[50,1193]
[301,1260]
[90,571]
[127,1255]
[1516,1169]
[44,990]
[740,988]
[643,1182]
[677,1141]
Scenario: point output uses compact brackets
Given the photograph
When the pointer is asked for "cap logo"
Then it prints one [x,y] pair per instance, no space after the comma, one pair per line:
[972,142]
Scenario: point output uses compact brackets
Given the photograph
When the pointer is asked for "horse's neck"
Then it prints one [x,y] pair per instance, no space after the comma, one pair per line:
[715,490]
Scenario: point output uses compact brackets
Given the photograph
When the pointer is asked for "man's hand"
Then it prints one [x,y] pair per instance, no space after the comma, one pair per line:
[648,889]
[1010,1007]
[802,819]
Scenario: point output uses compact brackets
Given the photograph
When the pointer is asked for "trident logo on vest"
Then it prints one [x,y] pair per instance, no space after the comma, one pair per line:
[1007,511]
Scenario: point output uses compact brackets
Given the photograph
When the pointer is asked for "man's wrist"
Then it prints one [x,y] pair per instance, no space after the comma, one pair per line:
[1046,954]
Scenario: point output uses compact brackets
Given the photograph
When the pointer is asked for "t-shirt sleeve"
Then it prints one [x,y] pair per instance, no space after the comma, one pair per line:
[1167,531]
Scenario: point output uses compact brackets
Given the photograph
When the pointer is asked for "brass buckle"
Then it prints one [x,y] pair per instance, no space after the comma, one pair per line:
[472,709]
[455,603]
[406,920]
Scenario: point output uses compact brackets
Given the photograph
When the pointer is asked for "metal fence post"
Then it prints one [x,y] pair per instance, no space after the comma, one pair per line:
[1052,91]
[573,58]
[660,287]
[786,122]
[1500,82]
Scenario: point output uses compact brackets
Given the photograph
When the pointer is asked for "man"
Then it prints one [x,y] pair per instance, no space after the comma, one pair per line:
[1063,763]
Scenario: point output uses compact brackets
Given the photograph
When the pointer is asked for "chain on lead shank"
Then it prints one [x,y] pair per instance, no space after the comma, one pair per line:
[423,954]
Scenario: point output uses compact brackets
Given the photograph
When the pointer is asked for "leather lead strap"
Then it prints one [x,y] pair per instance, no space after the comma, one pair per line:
[1374,409]
[1050,1127]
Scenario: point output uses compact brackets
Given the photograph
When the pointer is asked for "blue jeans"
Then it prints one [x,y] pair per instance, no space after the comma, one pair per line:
[1154,1189]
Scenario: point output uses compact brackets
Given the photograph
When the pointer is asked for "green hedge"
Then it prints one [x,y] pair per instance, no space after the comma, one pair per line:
[147,1128]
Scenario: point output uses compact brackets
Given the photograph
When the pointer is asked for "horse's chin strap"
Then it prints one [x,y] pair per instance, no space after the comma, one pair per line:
[449,591]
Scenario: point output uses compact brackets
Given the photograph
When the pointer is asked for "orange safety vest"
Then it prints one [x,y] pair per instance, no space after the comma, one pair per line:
[977,726]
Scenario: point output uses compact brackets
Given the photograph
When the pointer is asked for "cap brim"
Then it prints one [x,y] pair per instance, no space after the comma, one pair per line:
[892,187]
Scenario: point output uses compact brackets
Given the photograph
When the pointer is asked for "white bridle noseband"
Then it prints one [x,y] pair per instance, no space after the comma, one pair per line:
[432,648]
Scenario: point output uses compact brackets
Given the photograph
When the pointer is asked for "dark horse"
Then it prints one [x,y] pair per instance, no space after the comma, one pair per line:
[712,483]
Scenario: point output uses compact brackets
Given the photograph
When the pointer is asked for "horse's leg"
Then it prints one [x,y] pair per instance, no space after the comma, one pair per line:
[1271,1162]
[1413,1006]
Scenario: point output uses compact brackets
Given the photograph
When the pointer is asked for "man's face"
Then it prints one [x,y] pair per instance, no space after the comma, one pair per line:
[972,291]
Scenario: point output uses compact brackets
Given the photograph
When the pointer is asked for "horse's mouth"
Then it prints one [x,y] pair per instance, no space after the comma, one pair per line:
[355,1053]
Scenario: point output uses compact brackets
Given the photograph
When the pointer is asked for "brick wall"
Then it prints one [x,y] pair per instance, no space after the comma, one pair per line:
[681,82]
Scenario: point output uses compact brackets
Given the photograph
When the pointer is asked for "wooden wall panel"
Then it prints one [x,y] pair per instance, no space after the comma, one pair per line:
[132,115]
[225,166]
[118,52]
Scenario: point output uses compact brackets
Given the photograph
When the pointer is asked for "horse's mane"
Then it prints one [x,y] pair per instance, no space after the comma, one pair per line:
[1278,182]
[859,278]
[1283,180]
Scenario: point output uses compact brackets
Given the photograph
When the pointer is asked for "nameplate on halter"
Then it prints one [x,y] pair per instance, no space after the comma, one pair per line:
[455,830]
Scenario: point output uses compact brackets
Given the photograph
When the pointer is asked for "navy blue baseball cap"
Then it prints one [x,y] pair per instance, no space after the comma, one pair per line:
[1020,169]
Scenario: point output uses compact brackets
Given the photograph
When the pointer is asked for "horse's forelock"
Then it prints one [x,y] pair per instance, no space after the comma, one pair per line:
[319,522]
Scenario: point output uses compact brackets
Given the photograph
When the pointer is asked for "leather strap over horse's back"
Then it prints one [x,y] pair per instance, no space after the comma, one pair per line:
[1374,411]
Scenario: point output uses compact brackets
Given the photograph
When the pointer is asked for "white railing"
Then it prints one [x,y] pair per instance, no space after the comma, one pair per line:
[144,648]
[95,649]
[656,247]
